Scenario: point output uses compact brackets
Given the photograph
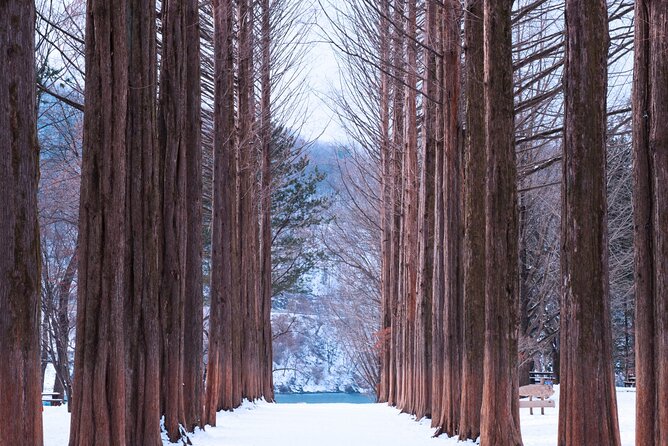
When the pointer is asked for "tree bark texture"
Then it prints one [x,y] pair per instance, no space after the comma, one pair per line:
[500,424]
[450,184]
[475,171]
[143,221]
[20,373]
[219,382]
[181,291]
[266,366]
[587,405]
[385,334]
[98,402]
[650,206]
[431,124]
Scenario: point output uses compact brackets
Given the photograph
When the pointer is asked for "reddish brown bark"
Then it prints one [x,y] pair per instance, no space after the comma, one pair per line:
[500,424]
[98,402]
[193,348]
[438,282]
[432,118]
[650,175]
[219,382]
[20,374]
[143,221]
[450,180]
[587,403]
[266,366]
[385,334]
[248,206]
[397,98]
[181,291]
[474,241]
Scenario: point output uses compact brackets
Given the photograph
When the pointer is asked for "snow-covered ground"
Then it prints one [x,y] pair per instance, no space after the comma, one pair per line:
[258,424]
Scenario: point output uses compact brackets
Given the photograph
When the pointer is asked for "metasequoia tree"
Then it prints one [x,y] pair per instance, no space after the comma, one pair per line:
[385,384]
[239,363]
[20,384]
[116,390]
[473,306]
[99,355]
[432,117]
[181,182]
[650,207]
[220,362]
[447,288]
[587,405]
[499,420]
[265,341]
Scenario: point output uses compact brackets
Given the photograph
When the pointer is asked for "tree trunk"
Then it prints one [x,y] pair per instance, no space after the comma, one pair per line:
[432,119]
[385,335]
[181,276]
[219,375]
[438,282]
[499,421]
[450,183]
[62,328]
[99,400]
[587,405]
[266,129]
[397,98]
[143,221]
[650,175]
[20,383]
[194,301]
[474,241]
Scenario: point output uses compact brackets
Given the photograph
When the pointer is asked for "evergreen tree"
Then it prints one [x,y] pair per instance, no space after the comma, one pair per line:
[297,209]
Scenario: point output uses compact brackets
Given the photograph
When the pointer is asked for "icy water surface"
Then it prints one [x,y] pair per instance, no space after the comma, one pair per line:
[320,398]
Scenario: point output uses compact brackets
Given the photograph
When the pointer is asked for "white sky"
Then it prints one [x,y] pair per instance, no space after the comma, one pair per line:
[323,76]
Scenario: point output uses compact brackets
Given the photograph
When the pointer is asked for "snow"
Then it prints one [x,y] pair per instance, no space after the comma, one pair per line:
[261,423]
[56,422]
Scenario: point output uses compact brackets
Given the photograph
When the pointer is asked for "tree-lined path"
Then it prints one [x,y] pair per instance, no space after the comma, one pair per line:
[342,424]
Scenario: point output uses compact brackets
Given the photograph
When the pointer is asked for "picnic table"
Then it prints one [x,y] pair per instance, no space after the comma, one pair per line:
[541,377]
[51,399]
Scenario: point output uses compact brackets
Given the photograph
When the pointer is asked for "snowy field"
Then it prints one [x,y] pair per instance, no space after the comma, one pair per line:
[343,425]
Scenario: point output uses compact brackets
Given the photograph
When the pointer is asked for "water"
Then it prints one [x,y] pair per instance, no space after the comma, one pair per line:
[320,398]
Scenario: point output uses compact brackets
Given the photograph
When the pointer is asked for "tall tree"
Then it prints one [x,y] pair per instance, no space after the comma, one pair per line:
[98,402]
[193,342]
[450,183]
[20,384]
[474,240]
[144,224]
[425,255]
[500,421]
[116,390]
[219,381]
[386,369]
[650,206]
[587,405]
[266,237]
[181,292]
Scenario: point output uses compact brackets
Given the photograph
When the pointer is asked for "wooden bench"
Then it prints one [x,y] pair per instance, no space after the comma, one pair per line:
[51,399]
[630,381]
[540,391]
